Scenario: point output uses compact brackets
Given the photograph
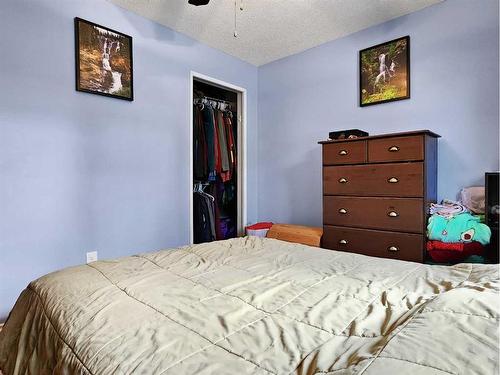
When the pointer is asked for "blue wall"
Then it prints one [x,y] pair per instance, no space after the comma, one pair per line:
[81,172]
[454,92]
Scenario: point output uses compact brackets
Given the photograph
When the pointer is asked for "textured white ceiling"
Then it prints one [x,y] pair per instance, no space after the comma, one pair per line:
[271,29]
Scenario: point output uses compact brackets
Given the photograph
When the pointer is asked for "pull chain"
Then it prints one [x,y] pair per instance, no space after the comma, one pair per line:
[235,29]
[235,16]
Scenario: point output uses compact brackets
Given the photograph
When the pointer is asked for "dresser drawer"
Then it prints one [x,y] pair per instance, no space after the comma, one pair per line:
[396,149]
[397,214]
[397,180]
[376,243]
[344,153]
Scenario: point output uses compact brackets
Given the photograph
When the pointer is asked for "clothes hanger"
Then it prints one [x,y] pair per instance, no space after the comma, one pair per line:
[199,102]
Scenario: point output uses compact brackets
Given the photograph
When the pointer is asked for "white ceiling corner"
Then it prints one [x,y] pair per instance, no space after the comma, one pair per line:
[271,29]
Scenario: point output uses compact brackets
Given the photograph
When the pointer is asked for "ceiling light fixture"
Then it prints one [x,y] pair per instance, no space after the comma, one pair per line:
[198,2]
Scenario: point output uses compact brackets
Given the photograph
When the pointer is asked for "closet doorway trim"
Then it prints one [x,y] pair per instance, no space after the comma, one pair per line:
[241,151]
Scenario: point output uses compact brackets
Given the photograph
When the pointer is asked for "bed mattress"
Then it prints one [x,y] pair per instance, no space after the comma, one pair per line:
[255,306]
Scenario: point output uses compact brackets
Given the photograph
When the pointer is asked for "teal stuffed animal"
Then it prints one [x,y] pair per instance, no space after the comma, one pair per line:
[460,228]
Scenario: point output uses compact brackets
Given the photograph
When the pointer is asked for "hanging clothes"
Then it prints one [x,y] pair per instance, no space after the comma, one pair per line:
[200,163]
[204,217]
[214,158]
[210,200]
[225,210]
[211,137]
[213,144]
[230,147]
[221,132]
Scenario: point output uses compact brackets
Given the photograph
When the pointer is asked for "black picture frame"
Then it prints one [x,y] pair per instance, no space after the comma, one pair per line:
[80,86]
[363,78]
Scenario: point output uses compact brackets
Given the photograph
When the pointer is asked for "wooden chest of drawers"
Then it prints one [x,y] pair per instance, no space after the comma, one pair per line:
[376,191]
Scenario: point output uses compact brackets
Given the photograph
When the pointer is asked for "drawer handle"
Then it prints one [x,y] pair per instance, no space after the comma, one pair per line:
[393,149]
[393,180]
[342,211]
[343,242]
[392,214]
[393,248]
[343,180]
[343,152]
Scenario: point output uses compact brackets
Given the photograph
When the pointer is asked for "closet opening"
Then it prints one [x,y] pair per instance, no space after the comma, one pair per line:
[218,162]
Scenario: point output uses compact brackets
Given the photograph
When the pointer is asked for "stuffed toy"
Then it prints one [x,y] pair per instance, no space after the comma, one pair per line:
[459,228]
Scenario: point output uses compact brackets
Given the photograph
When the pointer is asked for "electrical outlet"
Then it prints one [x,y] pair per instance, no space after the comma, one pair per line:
[91,256]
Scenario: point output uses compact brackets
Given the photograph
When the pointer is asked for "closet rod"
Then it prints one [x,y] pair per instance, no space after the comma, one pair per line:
[214,100]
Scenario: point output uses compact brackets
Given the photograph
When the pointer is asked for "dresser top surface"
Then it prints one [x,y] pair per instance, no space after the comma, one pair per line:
[389,135]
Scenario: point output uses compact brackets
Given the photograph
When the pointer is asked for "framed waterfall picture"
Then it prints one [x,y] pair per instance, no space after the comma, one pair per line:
[384,72]
[103,61]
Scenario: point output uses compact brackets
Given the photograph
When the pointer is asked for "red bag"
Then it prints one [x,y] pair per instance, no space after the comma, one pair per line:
[259,229]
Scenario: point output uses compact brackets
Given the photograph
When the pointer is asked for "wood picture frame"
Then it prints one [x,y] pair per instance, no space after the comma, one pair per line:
[103,61]
[384,72]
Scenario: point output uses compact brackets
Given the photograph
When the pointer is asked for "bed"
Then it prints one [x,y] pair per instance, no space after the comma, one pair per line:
[255,306]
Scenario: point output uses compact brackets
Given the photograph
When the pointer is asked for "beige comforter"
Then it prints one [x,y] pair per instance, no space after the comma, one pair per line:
[256,306]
